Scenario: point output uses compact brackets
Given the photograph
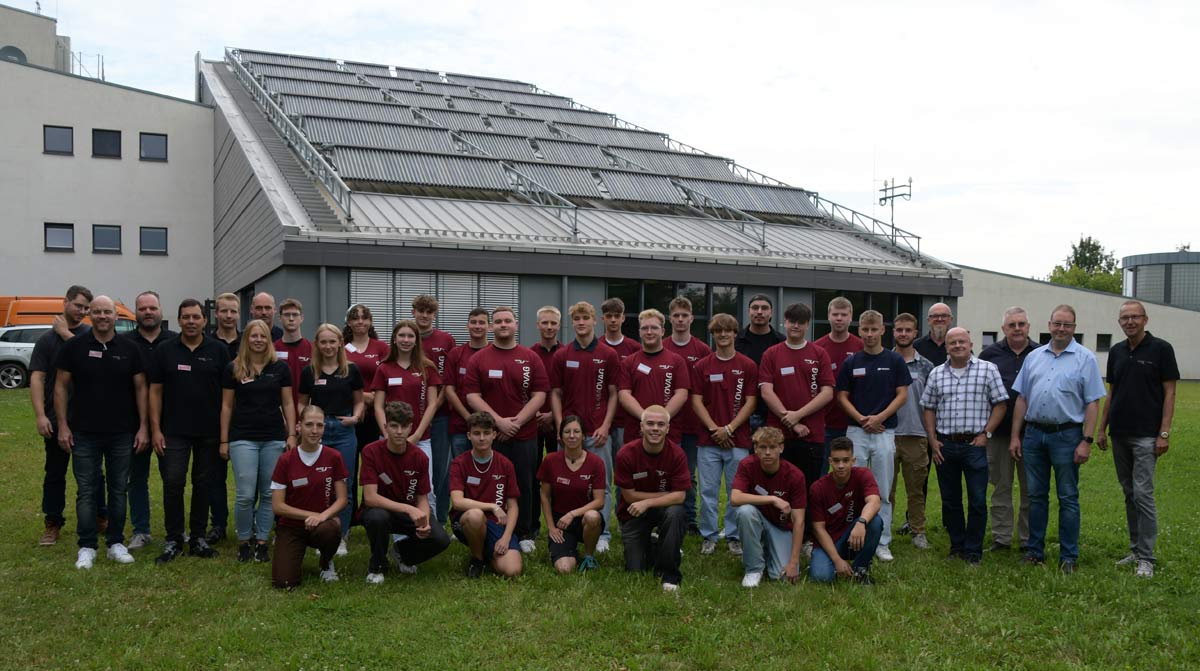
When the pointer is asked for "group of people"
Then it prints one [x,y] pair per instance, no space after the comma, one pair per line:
[497,439]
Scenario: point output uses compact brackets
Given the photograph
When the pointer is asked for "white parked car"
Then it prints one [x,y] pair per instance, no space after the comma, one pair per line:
[16,348]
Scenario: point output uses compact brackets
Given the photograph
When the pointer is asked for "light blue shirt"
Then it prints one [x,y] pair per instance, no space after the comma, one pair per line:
[1058,387]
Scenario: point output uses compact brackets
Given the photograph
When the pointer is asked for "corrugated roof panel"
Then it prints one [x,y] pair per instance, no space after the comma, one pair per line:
[423,75]
[677,163]
[367,68]
[379,135]
[501,84]
[641,187]
[311,88]
[575,153]
[455,120]
[437,101]
[525,97]
[346,109]
[502,146]
[283,59]
[618,137]
[309,74]
[562,180]
[519,126]
[757,197]
[378,165]
[566,115]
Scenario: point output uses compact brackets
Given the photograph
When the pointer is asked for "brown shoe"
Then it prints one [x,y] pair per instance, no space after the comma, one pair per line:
[50,535]
[101,525]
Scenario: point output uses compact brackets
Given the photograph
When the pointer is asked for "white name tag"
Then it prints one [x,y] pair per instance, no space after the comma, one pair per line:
[572,364]
[351,348]
[716,377]
[395,381]
[639,476]
[385,478]
[462,371]
[184,367]
[859,372]
[472,480]
[495,374]
[759,489]
[282,355]
[834,508]
[321,382]
[96,354]
[788,370]
[643,368]
[247,380]
[300,482]
[563,481]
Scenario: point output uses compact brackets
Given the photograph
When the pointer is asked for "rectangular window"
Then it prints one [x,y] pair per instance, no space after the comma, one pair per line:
[106,143]
[1044,338]
[58,140]
[106,239]
[154,240]
[989,337]
[1103,342]
[1079,338]
[153,147]
[59,237]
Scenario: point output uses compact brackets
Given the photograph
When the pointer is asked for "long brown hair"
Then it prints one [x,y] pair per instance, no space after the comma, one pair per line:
[419,361]
[318,359]
[356,311]
[242,365]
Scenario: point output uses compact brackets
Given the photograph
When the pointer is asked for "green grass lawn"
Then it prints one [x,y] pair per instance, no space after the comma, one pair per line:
[924,612]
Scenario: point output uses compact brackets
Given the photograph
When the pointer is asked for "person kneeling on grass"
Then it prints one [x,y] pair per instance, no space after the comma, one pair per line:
[395,482]
[483,497]
[573,486]
[844,505]
[770,496]
[308,490]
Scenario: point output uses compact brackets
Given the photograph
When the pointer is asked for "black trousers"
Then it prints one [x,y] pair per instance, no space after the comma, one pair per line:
[805,455]
[381,524]
[54,484]
[173,466]
[524,456]
[640,555]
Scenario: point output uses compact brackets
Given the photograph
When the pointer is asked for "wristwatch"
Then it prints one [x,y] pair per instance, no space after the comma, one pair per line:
[1165,435]
[1089,440]
[860,521]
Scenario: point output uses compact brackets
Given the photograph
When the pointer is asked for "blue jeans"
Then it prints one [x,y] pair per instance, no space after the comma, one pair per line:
[830,434]
[711,463]
[426,446]
[1042,452]
[605,452]
[459,443]
[91,451]
[821,568]
[54,485]
[345,441]
[139,491]
[689,442]
[963,461]
[877,451]
[253,464]
[764,545]
[440,482]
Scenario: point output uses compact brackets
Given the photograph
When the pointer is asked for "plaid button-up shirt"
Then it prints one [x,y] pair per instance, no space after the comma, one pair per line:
[964,402]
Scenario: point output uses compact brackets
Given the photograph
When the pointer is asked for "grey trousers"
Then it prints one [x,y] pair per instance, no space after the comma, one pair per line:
[1135,459]
[1001,467]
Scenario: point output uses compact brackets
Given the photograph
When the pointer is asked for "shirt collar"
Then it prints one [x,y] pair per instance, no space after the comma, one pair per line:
[589,348]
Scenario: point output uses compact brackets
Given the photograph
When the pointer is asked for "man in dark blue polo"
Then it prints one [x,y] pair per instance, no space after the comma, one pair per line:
[100,401]
[185,422]
[932,345]
[1059,391]
[1143,372]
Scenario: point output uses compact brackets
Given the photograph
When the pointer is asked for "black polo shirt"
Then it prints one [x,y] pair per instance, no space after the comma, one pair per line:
[333,393]
[1136,376]
[754,345]
[147,347]
[257,414]
[1009,363]
[231,346]
[191,386]
[45,351]
[103,398]
[930,350]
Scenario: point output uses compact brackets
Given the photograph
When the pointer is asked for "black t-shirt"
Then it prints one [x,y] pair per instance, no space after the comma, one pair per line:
[927,348]
[1009,363]
[103,399]
[1136,377]
[332,393]
[45,351]
[147,347]
[191,381]
[754,345]
[257,414]
[232,346]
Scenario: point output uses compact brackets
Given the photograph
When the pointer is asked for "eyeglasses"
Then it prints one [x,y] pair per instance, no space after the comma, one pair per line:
[1131,318]
[939,317]
[1063,325]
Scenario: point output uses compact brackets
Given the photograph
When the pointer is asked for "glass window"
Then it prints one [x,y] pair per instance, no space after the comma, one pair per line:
[911,303]
[694,292]
[989,338]
[1103,342]
[58,140]
[106,239]
[725,299]
[153,240]
[106,143]
[11,336]
[1185,285]
[153,147]
[627,291]
[32,335]
[1044,338]
[60,237]
[658,294]
[1079,338]
[820,304]
[882,303]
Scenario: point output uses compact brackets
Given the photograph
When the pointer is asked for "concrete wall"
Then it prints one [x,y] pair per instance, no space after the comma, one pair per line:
[33,34]
[324,293]
[37,188]
[987,294]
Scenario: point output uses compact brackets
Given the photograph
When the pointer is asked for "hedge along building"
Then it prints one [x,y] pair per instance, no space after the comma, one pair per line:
[338,182]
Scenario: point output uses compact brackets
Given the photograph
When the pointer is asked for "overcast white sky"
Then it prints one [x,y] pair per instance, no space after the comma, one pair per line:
[1022,124]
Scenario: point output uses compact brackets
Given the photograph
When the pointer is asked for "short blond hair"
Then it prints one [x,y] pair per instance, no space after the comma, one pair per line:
[582,308]
[230,297]
[870,317]
[651,313]
[552,310]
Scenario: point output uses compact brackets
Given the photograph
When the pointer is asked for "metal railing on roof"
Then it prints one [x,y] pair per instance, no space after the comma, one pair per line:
[312,159]
[871,226]
[712,208]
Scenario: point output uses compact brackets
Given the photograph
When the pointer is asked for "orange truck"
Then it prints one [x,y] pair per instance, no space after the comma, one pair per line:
[29,310]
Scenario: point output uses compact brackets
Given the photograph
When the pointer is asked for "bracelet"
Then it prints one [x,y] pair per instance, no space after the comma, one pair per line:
[728,430]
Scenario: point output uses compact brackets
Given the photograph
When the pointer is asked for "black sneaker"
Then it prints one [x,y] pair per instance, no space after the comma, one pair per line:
[862,576]
[198,547]
[974,560]
[215,535]
[1067,567]
[905,530]
[693,530]
[475,568]
[245,552]
[261,553]
[1032,560]
[999,547]
[956,554]
[170,551]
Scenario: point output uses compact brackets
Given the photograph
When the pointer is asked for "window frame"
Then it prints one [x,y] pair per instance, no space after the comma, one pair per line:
[119,153]
[153,252]
[120,242]
[153,159]
[55,225]
[53,152]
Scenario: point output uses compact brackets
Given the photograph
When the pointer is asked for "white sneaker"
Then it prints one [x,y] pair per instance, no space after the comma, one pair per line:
[120,554]
[752,579]
[670,587]
[401,567]
[920,542]
[884,553]
[527,546]
[87,557]
[602,546]
[139,541]
[329,574]
[374,578]
[1126,560]
[808,548]
[342,550]
[1145,569]
[707,547]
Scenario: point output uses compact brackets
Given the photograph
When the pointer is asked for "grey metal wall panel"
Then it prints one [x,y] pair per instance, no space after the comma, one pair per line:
[336,298]
[457,295]
[283,59]
[380,135]
[616,137]
[502,146]
[379,165]
[332,76]
[566,115]
[374,289]
[575,153]
[409,285]
[563,180]
[326,89]
[641,187]
[500,290]
[535,292]
[678,163]
[346,109]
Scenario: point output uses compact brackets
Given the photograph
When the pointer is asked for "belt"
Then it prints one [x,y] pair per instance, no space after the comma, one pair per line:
[957,437]
[1054,428]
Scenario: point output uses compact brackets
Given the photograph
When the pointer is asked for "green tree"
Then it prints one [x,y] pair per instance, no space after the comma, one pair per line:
[1089,266]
